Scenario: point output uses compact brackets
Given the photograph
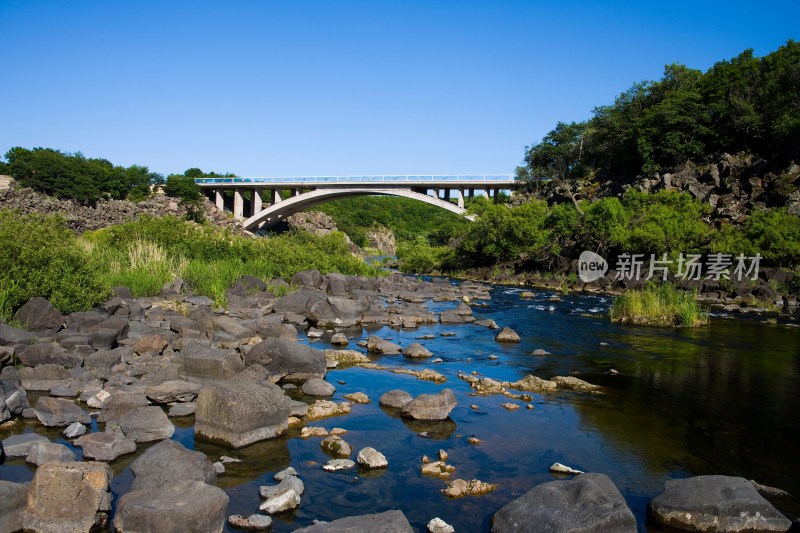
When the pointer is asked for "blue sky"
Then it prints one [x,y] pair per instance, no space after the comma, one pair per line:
[343,87]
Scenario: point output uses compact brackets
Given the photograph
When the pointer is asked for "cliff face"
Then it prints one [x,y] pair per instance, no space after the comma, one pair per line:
[105,213]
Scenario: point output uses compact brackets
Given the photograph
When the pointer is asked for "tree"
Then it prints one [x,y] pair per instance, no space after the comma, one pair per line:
[183,187]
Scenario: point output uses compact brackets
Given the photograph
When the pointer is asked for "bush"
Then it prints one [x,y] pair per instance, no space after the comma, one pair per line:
[772,233]
[661,305]
[420,257]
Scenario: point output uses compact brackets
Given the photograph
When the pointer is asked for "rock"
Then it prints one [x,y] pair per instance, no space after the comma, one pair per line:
[68,496]
[573,383]
[540,352]
[42,377]
[76,429]
[714,503]
[509,406]
[507,335]
[346,356]
[146,424]
[168,462]
[339,339]
[460,487]
[182,409]
[589,502]
[47,353]
[173,391]
[254,522]
[307,432]
[13,501]
[416,351]
[105,445]
[487,323]
[283,357]
[203,362]
[118,404]
[44,452]
[283,474]
[395,399]
[187,505]
[10,336]
[532,383]
[357,397]
[20,445]
[430,406]
[318,387]
[38,315]
[558,468]
[526,295]
[387,522]
[53,412]
[371,459]
[150,344]
[337,446]
[437,525]
[377,345]
[239,413]
[281,503]
[438,469]
[325,408]
[338,464]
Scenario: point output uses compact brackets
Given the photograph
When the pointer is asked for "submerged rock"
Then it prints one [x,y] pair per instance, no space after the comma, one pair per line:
[430,406]
[254,522]
[387,522]
[460,487]
[573,383]
[531,383]
[337,446]
[338,464]
[325,408]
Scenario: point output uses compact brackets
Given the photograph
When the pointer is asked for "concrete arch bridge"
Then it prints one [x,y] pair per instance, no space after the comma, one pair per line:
[447,192]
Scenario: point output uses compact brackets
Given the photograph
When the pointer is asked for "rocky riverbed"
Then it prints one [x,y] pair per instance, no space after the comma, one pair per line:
[165,414]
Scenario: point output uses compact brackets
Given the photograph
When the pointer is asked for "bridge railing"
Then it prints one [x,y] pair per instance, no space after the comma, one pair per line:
[488,179]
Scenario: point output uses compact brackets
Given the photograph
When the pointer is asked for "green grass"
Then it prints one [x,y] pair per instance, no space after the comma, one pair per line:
[662,305]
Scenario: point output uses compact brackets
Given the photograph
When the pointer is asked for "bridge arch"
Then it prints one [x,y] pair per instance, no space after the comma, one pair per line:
[277,212]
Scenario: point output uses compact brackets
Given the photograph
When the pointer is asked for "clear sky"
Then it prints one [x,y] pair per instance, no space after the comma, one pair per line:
[343,87]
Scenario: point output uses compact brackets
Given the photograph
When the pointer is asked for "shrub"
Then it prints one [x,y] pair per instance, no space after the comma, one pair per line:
[661,305]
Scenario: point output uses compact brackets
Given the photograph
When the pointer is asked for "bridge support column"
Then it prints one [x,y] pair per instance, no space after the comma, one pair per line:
[471,192]
[460,197]
[219,200]
[257,204]
[238,204]
[276,196]
[296,192]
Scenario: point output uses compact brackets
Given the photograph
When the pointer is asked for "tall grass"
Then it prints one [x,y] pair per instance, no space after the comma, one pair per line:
[661,305]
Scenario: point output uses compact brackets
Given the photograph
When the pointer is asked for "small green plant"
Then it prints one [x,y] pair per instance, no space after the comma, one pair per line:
[661,305]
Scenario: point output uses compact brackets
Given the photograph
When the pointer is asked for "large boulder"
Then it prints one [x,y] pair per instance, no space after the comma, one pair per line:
[387,522]
[42,377]
[202,362]
[507,335]
[59,412]
[377,345]
[119,403]
[318,387]
[417,351]
[173,391]
[714,503]
[45,452]
[169,461]
[20,445]
[47,353]
[10,336]
[241,412]
[39,315]
[105,445]
[299,302]
[395,399]
[146,424]
[187,505]
[589,502]
[291,360]
[13,500]
[430,406]
[68,496]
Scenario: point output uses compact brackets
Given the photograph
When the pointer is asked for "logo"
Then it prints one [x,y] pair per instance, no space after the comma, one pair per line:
[591,266]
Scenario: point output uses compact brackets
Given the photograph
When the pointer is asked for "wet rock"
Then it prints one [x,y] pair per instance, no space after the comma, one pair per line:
[507,335]
[105,445]
[76,429]
[430,406]
[146,424]
[173,391]
[395,399]
[169,461]
[483,386]
[377,345]
[291,482]
[39,315]
[417,351]
[719,503]
[573,383]
[45,452]
[558,468]
[254,522]
[203,362]
[589,502]
[337,446]
[68,496]
[437,525]
[325,408]
[308,432]
[459,488]
[20,445]
[357,397]
[387,522]
[339,339]
[13,501]
[531,383]
[487,323]
[338,464]
[371,459]
[182,409]
[347,357]
[187,505]
[281,503]
[438,469]
[282,357]
[54,412]
[239,413]
[318,387]
[540,352]
[526,295]
[509,406]
[286,472]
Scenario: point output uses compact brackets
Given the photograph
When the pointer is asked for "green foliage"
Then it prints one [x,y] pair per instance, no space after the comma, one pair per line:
[75,177]
[557,157]
[39,256]
[661,305]
[419,257]
[772,233]
[602,221]
[184,188]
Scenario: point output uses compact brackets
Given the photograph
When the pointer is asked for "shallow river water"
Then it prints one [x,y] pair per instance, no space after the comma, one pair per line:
[718,400]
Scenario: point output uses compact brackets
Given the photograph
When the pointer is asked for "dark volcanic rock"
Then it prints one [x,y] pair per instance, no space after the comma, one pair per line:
[105,445]
[589,502]
[38,314]
[13,500]
[387,522]
[59,412]
[169,462]
[284,357]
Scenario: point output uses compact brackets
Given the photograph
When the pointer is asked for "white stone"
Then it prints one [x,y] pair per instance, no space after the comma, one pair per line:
[437,525]
[281,503]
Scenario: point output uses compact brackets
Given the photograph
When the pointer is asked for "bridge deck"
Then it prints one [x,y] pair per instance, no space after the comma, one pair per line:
[489,180]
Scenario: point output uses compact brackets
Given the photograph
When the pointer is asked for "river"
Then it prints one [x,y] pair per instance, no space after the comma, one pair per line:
[723,399]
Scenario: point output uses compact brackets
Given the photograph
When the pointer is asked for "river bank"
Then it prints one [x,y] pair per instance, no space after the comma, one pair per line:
[718,400]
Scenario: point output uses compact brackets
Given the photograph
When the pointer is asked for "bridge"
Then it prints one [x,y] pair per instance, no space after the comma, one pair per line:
[270,200]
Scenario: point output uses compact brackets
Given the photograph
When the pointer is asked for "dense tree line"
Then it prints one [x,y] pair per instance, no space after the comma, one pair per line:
[747,104]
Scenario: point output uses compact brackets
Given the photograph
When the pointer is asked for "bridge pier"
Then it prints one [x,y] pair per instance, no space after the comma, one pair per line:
[219,200]
[256,205]
[461,197]
[238,204]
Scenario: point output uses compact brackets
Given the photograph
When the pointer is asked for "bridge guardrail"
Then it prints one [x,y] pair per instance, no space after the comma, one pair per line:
[488,179]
